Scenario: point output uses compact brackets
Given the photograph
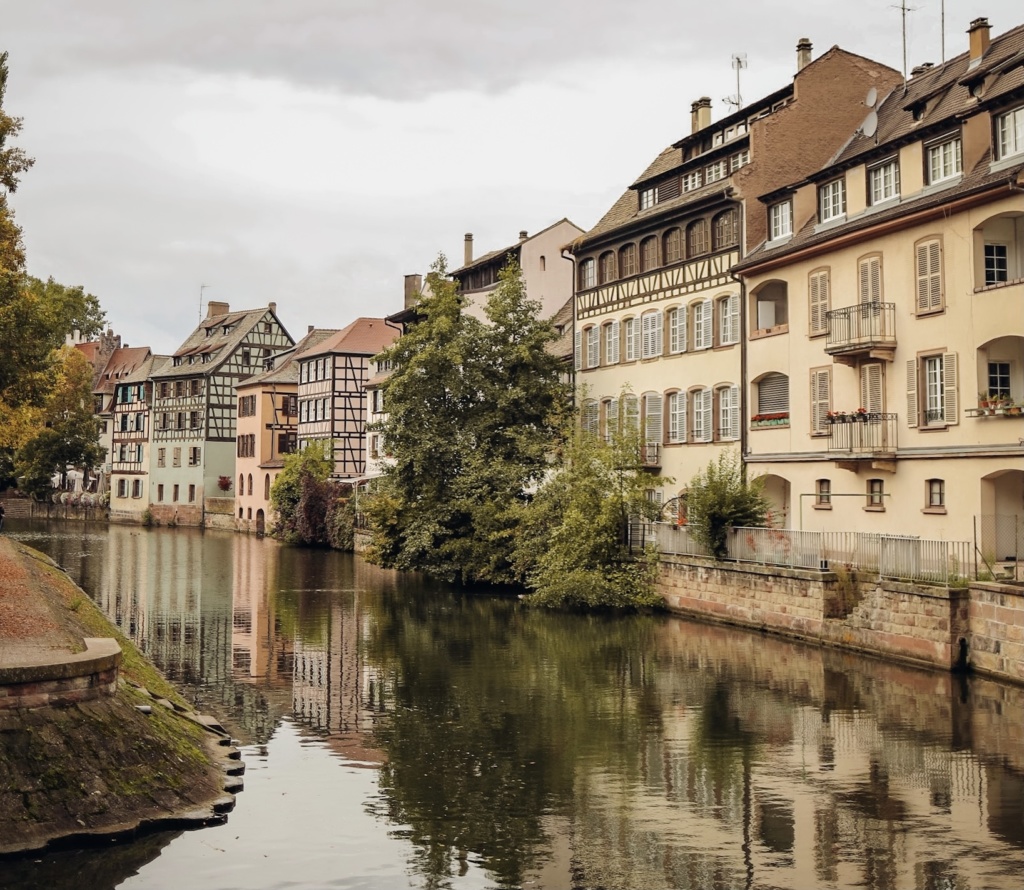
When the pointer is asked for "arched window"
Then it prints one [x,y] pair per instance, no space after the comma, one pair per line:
[649,254]
[630,412]
[696,238]
[241,484]
[651,334]
[591,416]
[676,417]
[543,263]
[672,246]
[606,267]
[725,231]
[587,274]
[250,485]
[611,343]
[772,397]
[728,406]
[266,487]
[609,418]
[627,260]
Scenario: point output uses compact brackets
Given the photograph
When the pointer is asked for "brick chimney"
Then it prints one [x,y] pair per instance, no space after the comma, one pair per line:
[980,38]
[467,257]
[523,235]
[214,308]
[700,114]
[272,307]
[803,53]
[413,286]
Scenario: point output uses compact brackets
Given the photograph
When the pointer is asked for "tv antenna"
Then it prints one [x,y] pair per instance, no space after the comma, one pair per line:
[739,62]
[202,287]
[904,9]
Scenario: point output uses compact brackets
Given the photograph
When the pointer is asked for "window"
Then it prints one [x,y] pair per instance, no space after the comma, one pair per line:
[677,417]
[287,443]
[194,457]
[193,387]
[821,400]
[165,389]
[823,494]
[376,401]
[249,488]
[780,220]
[247,406]
[290,406]
[632,337]
[703,430]
[997,264]
[729,320]
[266,481]
[191,494]
[610,418]
[649,254]
[998,377]
[179,389]
[677,330]
[652,334]
[869,279]
[136,488]
[725,230]
[876,493]
[932,390]
[611,343]
[832,200]
[884,182]
[672,246]
[630,413]
[696,238]
[627,261]
[945,160]
[653,433]
[773,394]
[935,496]
[716,171]
[818,296]
[1010,133]
[770,305]
[728,413]
[193,420]
[703,324]
[161,457]
[740,159]
[176,457]
[691,181]
[593,336]
[246,358]
[648,198]
[122,488]
[160,493]
[174,492]
[588,276]
[928,260]
[165,420]
[606,268]
[179,420]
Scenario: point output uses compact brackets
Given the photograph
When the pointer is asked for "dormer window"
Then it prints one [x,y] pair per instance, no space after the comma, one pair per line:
[692,181]
[884,182]
[780,220]
[714,172]
[226,329]
[588,274]
[945,160]
[648,198]
[832,200]
[1010,133]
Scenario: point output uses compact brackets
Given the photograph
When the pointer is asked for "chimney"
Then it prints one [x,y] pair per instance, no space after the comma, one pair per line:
[980,38]
[272,307]
[700,114]
[214,308]
[920,69]
[523,235]
[803,54]
[309,329]
[468,255]
[413,286]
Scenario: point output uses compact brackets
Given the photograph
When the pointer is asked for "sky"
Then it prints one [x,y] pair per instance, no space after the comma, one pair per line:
[313,152]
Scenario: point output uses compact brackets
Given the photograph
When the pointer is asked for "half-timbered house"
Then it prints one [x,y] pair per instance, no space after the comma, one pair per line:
[122,362]
[192,461]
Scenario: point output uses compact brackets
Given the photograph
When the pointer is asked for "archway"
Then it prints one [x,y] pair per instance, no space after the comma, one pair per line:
[260,523]
[1002,515]
[776,489]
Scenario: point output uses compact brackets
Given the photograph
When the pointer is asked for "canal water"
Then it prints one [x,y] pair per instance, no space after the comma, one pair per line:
[398,733]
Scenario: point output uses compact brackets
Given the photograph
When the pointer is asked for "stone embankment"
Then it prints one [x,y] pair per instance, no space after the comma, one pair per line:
[94,742]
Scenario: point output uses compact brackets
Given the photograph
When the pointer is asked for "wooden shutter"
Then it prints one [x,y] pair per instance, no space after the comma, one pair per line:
[871,396]
[677,330]
[773,394]
[707,412]
[729,412]
[593,347]
[652,419]
[949,383]
[929,276]
[611,418]
[612,343]
[818,293]
[912,403]
[870,279]
[706,339]
[677,417]
[821,399]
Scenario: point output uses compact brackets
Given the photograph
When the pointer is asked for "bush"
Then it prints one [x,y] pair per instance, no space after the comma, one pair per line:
[721,497]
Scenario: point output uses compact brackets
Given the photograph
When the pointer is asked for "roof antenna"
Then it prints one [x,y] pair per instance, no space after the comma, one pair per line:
[202,287]
[942,35]
[739,62]
[904,9]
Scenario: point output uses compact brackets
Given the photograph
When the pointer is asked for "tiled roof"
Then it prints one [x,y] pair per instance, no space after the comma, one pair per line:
[122,362]
[488,257]
[364,336]
[562,319]
[145,369]
[286,366]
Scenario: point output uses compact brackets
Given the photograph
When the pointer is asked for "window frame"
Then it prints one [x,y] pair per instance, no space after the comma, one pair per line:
[648,197]
[883,182]
[822,494]
[934,496]
[1009,133]
[587,275]
[875,495]
[832,200]
[728,317]
[780,220]
[935,150]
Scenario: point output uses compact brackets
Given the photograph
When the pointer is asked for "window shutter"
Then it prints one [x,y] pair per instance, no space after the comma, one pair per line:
[949,377]
[912,403]
[590,416]
[706,414]
[659,334]
[652,419]
[593,347]
[707,324]
[818,292]
[611,419]
[871,388]
[729,412]
[677,417]
[821,399]
[773,394]
[578,355]
[612,346]
[630,412]
[677,330]
[637,339]
[929,276]
[870,280]
[734,318]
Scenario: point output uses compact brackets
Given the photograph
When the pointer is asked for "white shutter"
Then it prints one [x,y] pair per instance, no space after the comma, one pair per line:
[577,352]
[611,348]
[733,314]
[611,419]
[729,412]
[705,338]
[659,334]
[652,334]
[593,347]
[929,276]
[870,279]
[706,410]
[590,416]
[949,394]
[677,417]
[818,292]
[677,330]
[821,399]
[652,419]
[912,403]
[871,388]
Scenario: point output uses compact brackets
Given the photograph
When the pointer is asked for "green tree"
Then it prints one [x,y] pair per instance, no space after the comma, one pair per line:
[721,497]
[473,411]
[301,470]
[572,545]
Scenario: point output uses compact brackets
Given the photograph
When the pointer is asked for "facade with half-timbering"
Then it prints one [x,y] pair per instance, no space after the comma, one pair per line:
[659,316]
[194,412]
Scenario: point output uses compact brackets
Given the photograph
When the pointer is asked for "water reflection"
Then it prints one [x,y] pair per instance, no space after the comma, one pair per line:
[562,751]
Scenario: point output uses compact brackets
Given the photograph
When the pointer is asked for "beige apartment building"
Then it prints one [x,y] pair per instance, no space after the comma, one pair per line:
[658,314]
[891,397]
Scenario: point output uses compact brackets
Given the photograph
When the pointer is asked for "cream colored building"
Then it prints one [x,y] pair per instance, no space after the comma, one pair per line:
[901,279]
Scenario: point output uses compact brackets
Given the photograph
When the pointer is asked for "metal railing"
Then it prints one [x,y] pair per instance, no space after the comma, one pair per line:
[895,557]
[863,434]
[860,327]
[650,455]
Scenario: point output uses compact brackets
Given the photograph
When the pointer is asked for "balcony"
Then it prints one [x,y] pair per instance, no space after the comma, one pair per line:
[864,331]
[854,440]
[650,456]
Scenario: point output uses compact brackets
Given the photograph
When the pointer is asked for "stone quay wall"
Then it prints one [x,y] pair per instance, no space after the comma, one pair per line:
[981,626]
[63,680]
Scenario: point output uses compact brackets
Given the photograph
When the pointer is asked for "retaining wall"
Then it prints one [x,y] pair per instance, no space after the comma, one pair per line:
[64,679]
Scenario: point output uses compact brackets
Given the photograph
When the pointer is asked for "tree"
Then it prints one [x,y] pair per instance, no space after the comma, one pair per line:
[473,411]
[301,469]
[721,497]
[572,545]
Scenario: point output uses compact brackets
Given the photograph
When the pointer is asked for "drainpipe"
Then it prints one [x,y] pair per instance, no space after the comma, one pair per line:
[572,259]
[744,387]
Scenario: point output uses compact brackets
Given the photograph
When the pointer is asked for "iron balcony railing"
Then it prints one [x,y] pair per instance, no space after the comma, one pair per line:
[650,455]
[865,434]
[861,327]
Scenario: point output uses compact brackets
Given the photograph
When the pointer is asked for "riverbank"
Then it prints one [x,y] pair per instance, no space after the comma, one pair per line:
[94,742]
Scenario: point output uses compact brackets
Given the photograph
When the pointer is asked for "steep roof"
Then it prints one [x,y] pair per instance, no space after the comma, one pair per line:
[504,251]
[286,366]
[364,336]
[144,371]
[122,362]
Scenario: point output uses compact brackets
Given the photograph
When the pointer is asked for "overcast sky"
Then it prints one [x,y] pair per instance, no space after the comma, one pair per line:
[312,152]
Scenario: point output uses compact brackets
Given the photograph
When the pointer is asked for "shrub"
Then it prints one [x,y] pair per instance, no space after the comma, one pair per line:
[721,497]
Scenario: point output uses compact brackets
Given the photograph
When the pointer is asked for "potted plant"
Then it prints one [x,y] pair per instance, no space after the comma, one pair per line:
[862,415]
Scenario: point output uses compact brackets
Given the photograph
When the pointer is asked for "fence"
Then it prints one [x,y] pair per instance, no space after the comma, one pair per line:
[889,556]
[1000,538]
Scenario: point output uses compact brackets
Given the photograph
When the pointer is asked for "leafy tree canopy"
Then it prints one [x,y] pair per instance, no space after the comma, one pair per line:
[721,497]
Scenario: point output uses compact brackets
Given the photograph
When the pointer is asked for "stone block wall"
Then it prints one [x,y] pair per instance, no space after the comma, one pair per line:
[64,679]
[995,630]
